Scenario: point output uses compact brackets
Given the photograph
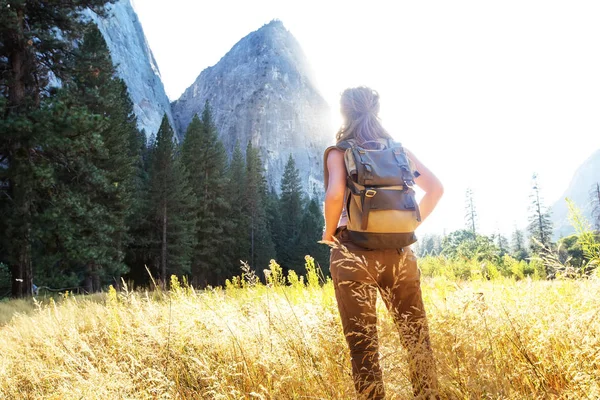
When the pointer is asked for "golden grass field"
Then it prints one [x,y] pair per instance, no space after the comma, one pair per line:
[500,339]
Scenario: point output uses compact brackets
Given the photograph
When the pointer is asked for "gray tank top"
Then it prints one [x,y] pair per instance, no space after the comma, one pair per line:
[344,217]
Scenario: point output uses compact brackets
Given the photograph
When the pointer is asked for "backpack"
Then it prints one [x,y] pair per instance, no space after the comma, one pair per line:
[382,210]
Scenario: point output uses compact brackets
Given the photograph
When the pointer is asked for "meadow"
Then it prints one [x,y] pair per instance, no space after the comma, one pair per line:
[493,339]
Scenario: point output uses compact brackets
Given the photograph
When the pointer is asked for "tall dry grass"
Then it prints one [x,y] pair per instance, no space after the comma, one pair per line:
[10,308]
[498,340]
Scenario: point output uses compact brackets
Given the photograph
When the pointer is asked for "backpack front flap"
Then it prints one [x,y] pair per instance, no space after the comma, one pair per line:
[382,208]
[387,167]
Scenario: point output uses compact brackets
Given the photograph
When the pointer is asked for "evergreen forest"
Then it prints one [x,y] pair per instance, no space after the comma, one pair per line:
[87,200]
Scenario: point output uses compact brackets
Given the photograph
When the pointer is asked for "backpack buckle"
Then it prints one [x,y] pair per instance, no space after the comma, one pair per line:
[370,193]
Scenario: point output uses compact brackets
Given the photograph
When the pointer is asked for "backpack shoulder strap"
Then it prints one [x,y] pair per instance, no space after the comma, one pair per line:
[392,143]
[346,144]
[411,164]
[406,165]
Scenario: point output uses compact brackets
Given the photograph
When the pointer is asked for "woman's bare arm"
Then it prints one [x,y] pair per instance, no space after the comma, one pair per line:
[430,184]
[336,188]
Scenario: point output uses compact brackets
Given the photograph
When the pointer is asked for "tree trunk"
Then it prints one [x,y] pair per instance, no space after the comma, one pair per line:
[539,212]
[21,270]
[252,243]
[16,59]
[88,285]
[95,278]
[163,255]
[596,209]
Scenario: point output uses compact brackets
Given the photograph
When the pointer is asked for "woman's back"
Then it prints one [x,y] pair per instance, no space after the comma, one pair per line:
[358,273]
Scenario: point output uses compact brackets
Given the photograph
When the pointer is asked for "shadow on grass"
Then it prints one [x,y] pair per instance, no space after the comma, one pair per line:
[12,307]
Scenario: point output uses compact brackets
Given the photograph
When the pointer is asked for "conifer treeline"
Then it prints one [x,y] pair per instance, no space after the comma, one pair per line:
[549,259]
[84,201]
[468,243]
[55,145]
[203,215]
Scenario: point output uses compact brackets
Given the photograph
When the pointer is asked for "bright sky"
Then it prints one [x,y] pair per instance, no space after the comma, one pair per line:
[484,93]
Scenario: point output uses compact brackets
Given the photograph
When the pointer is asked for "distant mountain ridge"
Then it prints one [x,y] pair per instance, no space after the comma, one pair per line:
[135,64]
[263,90]
[586,176]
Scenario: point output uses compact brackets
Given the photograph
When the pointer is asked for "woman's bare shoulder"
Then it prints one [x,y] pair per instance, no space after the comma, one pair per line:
[335,155]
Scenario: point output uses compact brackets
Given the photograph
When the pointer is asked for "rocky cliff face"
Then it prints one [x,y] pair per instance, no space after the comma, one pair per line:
[135,63]
[586,176]
[263,91]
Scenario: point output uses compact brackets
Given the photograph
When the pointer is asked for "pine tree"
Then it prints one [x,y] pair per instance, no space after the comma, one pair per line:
[36,39]
[437,244]
[540,224]
[502,243]
[275,221]
[457,239]
[204,156]
[518,249]
[239,225]
[471,214]
[87,163]
[70,222]
[429,245]
[425,246]
[309,234]
[4,216]
[172,207]
[81,225]
[138,251]
[190,157]
[291,211]
[95,85]
[595,197]
[262,249]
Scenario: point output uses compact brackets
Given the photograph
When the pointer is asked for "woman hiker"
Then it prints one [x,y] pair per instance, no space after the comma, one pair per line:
[358,270]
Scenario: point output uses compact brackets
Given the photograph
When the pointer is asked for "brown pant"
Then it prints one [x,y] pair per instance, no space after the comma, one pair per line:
[357,276]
